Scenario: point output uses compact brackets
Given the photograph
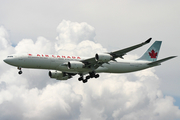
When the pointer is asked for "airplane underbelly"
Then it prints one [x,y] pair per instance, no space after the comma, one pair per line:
[79,70]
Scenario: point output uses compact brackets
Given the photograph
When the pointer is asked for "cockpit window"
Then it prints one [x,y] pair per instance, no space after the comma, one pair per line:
[10,56]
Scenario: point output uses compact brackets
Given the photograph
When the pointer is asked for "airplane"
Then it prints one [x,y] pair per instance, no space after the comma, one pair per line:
[63,67]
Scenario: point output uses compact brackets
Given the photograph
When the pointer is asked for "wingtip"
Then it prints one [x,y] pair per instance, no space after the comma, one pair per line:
[174,56]
[147,41]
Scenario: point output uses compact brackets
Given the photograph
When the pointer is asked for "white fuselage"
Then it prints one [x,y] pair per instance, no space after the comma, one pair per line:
[57,62]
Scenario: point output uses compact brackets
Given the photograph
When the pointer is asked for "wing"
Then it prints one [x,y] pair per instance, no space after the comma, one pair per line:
[121,53]
[92,63]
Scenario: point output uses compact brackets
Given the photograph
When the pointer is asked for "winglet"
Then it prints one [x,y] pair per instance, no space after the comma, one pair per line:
[147,41]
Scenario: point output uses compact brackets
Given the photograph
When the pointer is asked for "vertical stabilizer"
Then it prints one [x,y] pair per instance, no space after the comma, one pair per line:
[152,53]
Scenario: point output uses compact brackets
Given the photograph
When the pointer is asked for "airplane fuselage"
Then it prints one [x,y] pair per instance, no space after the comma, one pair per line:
[59,62]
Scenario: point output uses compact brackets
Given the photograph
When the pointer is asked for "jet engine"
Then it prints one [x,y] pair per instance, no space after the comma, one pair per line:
[103,57]
[58,75]
[75,65]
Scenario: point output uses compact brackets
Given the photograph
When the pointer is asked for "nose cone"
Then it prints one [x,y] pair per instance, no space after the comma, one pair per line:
[7,61]
[11,60]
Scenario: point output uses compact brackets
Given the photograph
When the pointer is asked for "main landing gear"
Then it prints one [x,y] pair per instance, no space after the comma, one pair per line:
[20,71]
[91,75]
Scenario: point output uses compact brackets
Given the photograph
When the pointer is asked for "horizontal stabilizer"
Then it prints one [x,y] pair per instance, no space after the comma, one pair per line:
[158,62]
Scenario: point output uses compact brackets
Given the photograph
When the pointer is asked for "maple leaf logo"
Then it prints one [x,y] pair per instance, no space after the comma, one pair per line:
[153,54]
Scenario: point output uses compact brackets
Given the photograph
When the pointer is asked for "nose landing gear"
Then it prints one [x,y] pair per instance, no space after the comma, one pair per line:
[20,72]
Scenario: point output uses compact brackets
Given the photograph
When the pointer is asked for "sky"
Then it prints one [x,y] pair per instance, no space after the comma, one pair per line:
[84,28]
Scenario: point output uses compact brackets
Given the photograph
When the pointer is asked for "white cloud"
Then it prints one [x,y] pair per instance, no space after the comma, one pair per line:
[74,32]
[3,38]
[54,101]
[42,45]
[5,48]
[33,95]
[76,38]
[71,33]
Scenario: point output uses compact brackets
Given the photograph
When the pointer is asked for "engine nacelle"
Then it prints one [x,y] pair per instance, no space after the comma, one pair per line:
[75,65]
[103,57]
[58,75]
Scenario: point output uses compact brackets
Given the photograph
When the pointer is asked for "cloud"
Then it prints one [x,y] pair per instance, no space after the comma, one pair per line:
[76,38]
[72,33]
[33,95]
[42,45]
[3,38]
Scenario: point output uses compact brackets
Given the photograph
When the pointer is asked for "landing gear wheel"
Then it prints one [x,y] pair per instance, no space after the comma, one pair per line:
[96,76]
[20,72]
[84,81]
[81,78]
[88,77]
